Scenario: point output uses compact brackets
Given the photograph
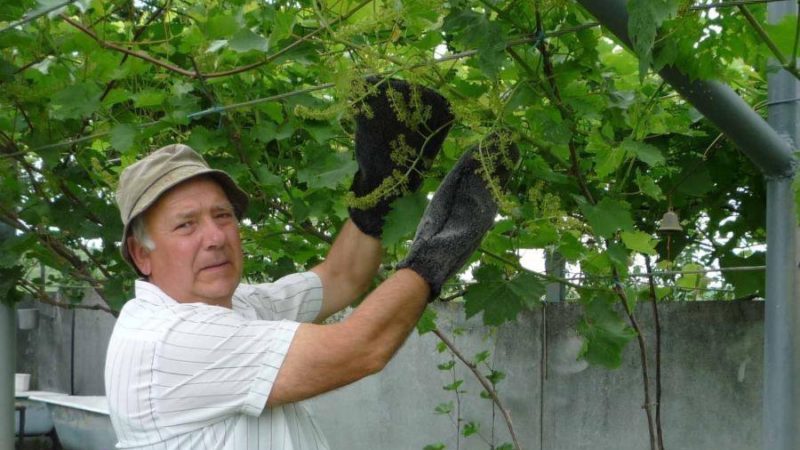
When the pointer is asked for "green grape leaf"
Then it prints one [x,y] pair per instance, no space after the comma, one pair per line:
[245,40]
[427,322]
[639,241]
[438,446]
[282,25]
[495,376]
[268,179]
[443,408]
[605,333]
[608,216]
[446,365]
[481,357]
[148,97]
[76,101]
[644,19]
[649,187]
[646,153]
[500,299]
[402,220]
[328,172]
[749,282]
[691,278]
[469,429]
[123,137]
[221,26]
[472,29]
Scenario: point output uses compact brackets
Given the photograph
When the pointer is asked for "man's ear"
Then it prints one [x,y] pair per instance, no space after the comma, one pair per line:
[139,254]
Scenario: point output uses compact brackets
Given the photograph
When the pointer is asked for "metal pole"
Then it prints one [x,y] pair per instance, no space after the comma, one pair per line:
[781,413]
[554,265]
[780,427]
[718,102]
[8,351]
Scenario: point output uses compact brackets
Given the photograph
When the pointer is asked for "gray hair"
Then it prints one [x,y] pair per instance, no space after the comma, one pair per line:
[139,232]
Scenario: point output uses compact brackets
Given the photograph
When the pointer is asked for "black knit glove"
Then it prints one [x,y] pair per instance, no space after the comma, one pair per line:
[460,213]
[399,131]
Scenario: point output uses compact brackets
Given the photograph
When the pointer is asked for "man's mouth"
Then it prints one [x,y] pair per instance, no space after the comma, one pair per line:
[214,266]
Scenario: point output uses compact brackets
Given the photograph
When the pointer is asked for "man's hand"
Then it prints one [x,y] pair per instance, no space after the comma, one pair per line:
[461,212]
[400,129]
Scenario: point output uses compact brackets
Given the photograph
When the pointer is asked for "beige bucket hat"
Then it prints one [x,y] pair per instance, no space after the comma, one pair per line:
[144,181]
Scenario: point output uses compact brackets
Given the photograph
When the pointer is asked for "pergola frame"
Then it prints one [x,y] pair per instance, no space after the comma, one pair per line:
[770,146]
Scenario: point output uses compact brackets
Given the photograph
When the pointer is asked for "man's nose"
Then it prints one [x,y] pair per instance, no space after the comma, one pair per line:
[213,234]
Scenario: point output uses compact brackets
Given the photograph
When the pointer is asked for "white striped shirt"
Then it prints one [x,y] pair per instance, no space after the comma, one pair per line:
[197,376]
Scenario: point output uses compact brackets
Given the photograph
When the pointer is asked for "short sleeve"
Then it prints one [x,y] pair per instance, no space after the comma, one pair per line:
[296,297]
[212,363]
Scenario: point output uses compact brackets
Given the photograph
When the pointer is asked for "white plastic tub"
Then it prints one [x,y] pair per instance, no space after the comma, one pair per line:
[81,422]
[37,416]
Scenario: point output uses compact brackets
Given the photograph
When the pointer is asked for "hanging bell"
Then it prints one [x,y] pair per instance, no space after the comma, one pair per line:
[670,223]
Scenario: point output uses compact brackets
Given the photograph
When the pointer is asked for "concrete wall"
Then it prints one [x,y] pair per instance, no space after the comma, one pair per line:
[46,352]
[712,380]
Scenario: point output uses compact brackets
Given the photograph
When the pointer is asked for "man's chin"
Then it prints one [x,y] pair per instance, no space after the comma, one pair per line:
[215,295]
[220,287]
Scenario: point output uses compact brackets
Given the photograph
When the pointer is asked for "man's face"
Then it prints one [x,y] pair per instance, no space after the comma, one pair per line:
[198,254]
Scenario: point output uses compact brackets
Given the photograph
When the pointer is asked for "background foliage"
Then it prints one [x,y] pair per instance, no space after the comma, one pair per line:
[264,90]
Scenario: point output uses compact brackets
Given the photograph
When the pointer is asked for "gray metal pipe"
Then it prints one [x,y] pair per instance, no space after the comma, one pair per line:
[781,402]
[781,430]
[784,89]
[8,352]
[554,265]
[718,102]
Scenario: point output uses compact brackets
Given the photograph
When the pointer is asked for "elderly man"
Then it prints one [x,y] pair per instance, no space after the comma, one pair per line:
[200,360]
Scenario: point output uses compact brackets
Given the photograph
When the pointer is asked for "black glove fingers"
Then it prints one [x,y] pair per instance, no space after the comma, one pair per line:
[391,139]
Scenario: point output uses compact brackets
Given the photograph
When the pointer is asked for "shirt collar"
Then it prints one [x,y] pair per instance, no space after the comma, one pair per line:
[150,292]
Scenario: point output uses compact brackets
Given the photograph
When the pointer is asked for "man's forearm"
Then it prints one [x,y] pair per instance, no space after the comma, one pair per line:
[325,357]
[390,312]
[349,268]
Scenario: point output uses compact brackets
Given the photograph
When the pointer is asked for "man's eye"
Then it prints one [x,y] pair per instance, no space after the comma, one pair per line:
[183,225]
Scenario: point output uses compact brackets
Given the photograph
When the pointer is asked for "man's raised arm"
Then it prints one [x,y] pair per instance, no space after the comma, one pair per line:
[324,357]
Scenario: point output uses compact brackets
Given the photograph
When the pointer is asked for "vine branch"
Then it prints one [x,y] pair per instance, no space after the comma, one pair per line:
[566,113]
[648,406]
[42,296]
[135,53]
[75,266]
[730,3]
[487,385]
[657,322]
[196,74]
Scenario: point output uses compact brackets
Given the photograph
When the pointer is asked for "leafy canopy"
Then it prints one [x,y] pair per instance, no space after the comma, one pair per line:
[264,90]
